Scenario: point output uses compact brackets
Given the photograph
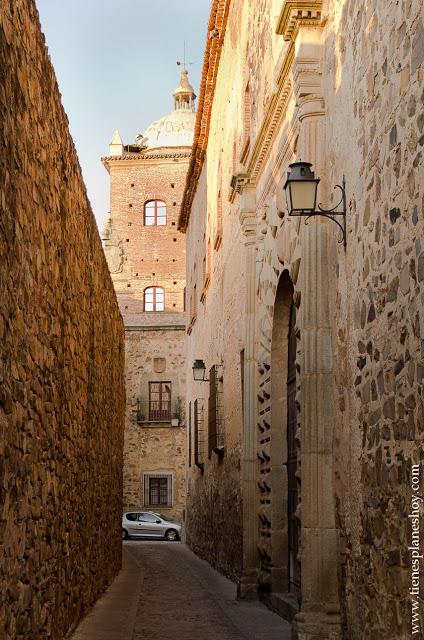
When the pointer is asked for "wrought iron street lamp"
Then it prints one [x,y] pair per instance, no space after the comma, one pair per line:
[301,192]
[199,371]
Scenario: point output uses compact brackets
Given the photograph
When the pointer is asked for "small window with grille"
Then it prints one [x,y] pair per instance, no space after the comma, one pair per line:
[215,423]
[198,433]
[189,434]
[158,490]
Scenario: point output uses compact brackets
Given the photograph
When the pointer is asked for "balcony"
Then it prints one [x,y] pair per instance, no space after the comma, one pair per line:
[151,411]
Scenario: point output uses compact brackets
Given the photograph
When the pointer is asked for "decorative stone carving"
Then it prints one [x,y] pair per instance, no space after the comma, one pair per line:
[159,365]
[115,256]
[296,13]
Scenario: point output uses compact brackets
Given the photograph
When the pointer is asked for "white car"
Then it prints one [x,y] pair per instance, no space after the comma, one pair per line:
[148,524]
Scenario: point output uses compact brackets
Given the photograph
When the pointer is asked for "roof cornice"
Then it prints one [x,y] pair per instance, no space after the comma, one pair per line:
[131,158]
[214,43]
[297,13]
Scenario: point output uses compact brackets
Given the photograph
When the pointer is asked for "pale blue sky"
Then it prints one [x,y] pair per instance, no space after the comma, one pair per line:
[115,62]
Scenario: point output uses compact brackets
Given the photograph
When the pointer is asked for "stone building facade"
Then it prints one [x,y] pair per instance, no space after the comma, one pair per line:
[61,366]
[305,432]
[146,257]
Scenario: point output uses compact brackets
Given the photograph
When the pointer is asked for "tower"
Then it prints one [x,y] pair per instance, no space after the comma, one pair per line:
[146,258]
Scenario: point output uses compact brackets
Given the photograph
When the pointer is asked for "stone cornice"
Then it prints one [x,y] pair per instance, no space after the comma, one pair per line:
[296,13]
[139,157]
[214,43]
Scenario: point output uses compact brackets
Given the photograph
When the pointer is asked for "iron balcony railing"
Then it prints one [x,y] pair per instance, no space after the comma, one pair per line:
[158,410]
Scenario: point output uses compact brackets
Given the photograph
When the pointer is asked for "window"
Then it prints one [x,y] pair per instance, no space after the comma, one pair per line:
[158,490]
[198,433]
[215,426]
[189,434]
[194,301]
[147,517]
[218,232]
[132,517]
[246,125]
[154,213]
[154,299]
[159,401]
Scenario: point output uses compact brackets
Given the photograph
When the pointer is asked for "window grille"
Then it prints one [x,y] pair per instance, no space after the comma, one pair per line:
[218,232]
[215,423]
[158,490]
[198,433]
[246,125]
[189,434]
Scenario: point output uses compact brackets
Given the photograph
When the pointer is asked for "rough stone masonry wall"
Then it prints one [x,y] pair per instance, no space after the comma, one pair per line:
[154,447]
[61,371]
[375,59]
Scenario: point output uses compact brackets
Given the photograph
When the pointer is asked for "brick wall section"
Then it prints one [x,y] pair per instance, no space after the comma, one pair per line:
[61,372]
[149,255]
[141,256]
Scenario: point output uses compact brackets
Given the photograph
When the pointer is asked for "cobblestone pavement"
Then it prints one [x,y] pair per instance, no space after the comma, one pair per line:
[164,592]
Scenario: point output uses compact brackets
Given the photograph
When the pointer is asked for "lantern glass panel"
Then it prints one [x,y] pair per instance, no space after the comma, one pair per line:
[303,195]
[198,372]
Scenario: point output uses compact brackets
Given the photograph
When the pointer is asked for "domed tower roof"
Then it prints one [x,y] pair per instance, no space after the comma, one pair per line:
[184,95]
[177,128]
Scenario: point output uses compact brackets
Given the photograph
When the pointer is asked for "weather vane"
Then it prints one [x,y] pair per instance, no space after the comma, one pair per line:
[184,63]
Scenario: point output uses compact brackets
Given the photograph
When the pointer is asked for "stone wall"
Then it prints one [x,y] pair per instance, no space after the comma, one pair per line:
[376,62]
[154,447]
[340,84]
[214,514]
[62,347]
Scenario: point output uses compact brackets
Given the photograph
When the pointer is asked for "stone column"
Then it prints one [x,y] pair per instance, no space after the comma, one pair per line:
[247,587]
[319,617]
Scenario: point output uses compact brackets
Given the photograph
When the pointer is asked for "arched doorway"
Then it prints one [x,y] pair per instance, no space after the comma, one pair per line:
[285,572]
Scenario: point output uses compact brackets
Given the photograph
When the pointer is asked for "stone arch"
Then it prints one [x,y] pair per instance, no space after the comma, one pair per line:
[283,307]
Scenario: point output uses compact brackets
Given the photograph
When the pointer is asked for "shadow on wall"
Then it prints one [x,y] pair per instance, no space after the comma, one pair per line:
[62,392]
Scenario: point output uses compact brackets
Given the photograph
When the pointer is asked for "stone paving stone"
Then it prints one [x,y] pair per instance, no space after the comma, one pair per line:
[165,592]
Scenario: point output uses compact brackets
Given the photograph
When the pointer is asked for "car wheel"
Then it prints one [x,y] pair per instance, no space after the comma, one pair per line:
[125,535]
[171,535]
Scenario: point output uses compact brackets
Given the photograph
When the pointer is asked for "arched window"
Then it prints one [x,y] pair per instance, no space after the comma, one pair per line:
[154,213]
[154,299]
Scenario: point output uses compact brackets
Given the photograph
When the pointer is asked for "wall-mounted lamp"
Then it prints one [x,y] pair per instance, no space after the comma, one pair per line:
[301,192]
[199,371]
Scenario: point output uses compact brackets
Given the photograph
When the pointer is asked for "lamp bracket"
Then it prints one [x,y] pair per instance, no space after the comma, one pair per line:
[331,213]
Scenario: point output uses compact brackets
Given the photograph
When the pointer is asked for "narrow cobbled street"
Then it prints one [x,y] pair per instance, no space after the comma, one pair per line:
[164,592]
